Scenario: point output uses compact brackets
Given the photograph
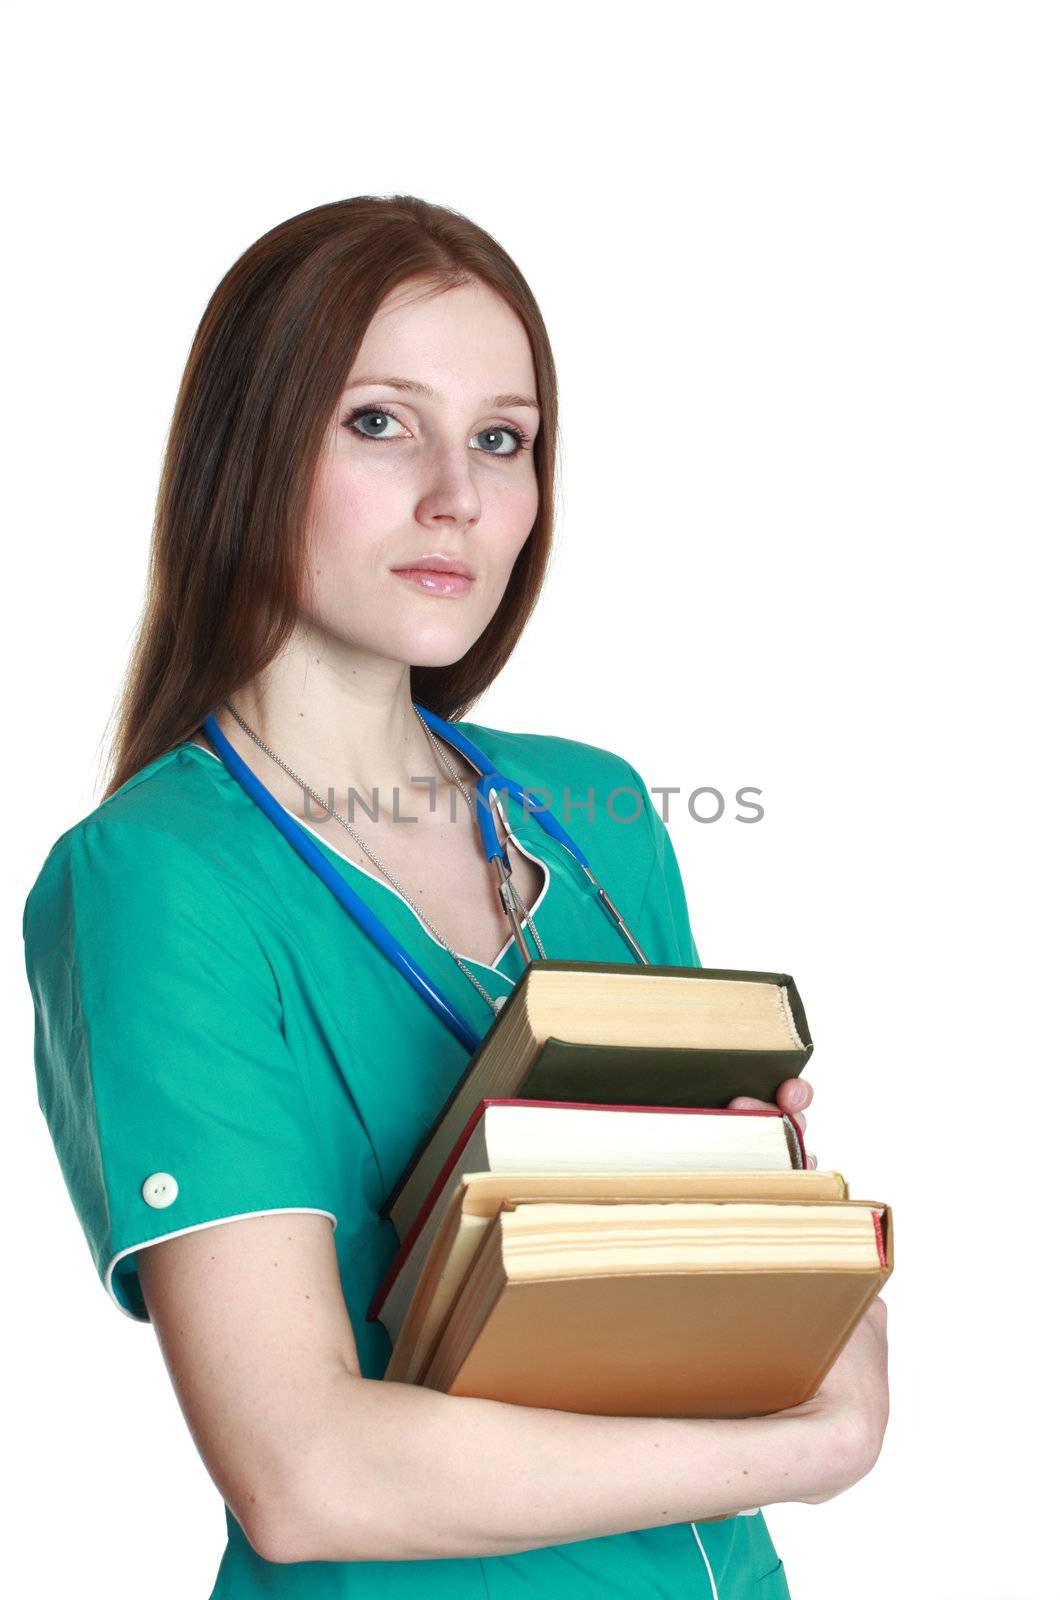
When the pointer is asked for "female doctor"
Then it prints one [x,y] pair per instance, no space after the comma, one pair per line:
[352,529]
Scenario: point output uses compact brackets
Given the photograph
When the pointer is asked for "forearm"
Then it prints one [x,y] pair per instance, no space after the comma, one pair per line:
[405,1473]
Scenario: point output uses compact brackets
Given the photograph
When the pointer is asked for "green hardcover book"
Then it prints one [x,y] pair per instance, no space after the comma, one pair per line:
[608,1033]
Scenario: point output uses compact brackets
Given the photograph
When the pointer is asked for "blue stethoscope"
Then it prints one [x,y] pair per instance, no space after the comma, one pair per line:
[490,780]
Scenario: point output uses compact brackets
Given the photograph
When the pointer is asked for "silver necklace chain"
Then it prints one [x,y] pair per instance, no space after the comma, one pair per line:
[494,1004]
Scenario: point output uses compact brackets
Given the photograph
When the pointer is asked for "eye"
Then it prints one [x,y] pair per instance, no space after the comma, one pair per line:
[374,415]
[376,418]
[519,438]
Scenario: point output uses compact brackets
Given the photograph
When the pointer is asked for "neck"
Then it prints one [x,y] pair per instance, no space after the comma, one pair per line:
[341,725]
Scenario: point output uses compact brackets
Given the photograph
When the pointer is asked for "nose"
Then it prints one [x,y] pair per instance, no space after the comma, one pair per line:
[450,494]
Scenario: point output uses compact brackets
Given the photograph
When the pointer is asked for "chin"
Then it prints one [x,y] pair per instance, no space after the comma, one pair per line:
[434,647]
[435,658]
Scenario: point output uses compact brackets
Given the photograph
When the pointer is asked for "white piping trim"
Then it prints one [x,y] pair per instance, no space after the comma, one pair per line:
[710,1569]
[490,966]
[196,1227]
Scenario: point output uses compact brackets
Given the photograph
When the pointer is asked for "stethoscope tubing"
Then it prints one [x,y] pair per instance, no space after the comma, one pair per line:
[362,914]
[492,778]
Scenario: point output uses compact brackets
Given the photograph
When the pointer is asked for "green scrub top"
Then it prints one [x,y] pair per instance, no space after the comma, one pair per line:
[216,1038]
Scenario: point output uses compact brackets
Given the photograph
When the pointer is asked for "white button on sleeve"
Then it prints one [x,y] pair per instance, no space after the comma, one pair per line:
[160,1189]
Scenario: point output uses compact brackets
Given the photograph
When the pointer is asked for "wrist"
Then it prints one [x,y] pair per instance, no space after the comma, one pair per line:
[828,1452]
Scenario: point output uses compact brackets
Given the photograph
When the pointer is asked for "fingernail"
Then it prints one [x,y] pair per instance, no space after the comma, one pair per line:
[798,1095]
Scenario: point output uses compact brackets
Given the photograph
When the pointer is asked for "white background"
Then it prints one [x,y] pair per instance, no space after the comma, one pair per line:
[799,264]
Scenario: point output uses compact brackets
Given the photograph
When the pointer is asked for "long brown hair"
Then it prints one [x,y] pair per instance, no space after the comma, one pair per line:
[267,366]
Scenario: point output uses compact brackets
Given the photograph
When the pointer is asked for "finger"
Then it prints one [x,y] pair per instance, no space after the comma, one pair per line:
[794,1094]
[746,1102]
[812,1159]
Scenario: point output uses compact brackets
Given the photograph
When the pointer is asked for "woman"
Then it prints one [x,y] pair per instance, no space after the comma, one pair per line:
[371,390]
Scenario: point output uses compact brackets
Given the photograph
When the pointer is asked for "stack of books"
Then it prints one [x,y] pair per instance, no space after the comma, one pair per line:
[586,1226]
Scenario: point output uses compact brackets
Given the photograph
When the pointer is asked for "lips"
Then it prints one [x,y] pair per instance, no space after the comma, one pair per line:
[432,581]
[436,563]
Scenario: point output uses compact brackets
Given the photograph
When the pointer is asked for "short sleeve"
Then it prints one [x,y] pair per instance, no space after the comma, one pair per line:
[163,1071]
[663,912]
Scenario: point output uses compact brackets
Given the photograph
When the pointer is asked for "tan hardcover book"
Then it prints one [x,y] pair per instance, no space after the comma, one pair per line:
[684,1309]
[421,1299]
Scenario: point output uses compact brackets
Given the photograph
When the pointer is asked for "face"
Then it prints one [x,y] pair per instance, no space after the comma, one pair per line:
[405,474]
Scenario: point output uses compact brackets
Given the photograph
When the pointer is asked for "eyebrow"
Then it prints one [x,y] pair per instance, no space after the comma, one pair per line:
[430,394]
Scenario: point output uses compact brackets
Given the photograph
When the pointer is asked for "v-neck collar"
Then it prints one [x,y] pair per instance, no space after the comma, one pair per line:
[511,839]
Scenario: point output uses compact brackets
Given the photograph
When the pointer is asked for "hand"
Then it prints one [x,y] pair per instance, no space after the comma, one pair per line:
[793,1092]
[849,1412]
